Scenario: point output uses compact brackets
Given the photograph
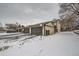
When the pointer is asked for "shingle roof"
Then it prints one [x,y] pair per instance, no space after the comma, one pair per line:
[42,23]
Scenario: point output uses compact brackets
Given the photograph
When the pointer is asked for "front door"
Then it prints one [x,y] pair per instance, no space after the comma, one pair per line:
[47,32]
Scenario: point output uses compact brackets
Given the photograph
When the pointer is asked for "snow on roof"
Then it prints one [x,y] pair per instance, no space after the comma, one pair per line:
[40,22]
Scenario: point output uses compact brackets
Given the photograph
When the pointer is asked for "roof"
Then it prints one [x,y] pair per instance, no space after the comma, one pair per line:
[42,22]
[10,24]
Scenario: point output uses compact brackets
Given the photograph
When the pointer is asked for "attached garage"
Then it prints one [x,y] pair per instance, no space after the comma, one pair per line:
[42,29]
[45,28]
[36,30]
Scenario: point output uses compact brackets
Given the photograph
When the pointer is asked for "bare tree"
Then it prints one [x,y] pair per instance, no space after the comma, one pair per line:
[69,12]
[68,9]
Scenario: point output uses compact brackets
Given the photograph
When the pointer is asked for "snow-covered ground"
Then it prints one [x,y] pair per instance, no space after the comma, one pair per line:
[63,43]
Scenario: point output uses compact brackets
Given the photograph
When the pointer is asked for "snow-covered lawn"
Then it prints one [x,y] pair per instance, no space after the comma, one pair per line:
[63,43]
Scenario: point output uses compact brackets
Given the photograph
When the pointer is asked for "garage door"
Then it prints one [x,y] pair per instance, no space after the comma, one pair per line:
[36,31]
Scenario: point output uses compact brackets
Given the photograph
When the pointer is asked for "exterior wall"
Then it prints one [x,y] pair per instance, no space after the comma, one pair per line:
[58,26]
[51,29]
[50,24]
[29,30]
[43,30]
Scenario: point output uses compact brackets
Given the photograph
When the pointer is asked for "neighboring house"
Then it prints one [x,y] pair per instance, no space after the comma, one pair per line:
[11,28]
[1,29]
[44,28]
[14,28]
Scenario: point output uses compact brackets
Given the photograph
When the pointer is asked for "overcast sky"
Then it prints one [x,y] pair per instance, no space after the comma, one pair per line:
[26,13]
